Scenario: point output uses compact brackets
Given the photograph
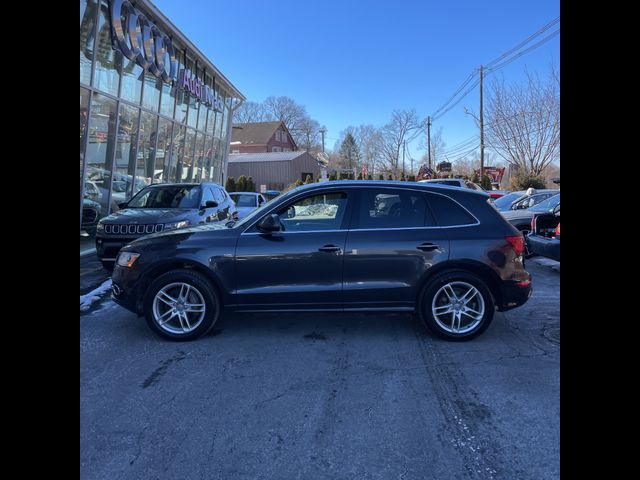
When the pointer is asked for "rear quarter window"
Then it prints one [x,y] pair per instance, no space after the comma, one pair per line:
[448,212]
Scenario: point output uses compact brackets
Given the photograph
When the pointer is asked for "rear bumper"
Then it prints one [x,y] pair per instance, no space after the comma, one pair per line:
[515,294]
[546,247]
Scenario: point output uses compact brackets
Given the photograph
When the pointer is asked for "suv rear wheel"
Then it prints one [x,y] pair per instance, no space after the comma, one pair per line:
[456,305]
[181,305]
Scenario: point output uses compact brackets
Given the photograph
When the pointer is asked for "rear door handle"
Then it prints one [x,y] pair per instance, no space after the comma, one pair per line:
[427,247]
[329,249]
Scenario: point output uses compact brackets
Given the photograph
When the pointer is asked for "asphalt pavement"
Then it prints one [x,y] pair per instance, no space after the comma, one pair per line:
[317,396]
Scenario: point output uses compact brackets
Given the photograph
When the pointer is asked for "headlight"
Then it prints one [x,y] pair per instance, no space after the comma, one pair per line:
[127,259]
[100,226]
[173,226]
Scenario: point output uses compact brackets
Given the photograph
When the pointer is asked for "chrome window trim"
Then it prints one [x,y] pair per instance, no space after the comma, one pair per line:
[390,187]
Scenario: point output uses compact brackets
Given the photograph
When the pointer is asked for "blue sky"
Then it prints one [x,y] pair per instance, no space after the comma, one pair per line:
[353,62]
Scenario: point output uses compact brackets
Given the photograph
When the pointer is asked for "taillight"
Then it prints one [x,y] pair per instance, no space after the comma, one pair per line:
[558,230]
[517,243]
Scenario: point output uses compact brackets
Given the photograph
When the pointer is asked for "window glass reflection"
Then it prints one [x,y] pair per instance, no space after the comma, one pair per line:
[126,154]
[101,147]
[164,152]
[147,168]
[108,60]
[87,37]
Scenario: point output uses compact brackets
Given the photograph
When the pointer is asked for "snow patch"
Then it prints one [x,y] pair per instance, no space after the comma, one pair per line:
[87,300]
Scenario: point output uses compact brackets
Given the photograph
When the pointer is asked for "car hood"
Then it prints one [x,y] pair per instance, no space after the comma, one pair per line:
[144,216]
[217,228]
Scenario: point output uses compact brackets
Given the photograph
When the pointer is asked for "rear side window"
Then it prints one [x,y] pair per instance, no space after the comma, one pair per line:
[218,194]
[389,208]
[449,213]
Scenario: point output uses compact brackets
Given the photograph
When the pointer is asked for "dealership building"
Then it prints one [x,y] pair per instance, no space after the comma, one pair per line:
[153,108]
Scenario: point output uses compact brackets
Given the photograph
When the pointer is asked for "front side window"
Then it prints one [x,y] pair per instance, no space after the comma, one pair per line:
[318,212]
[392,209]
[167,197]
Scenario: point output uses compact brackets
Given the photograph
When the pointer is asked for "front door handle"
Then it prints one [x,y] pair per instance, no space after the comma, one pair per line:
[329,249]
[427,247]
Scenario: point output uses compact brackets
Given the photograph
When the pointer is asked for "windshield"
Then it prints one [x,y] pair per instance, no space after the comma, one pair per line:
[244,199]
[547,205]
[187,196]
[507,200]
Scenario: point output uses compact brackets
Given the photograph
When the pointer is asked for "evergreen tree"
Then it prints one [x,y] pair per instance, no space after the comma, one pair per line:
[251,185]
[412,178]
[349,152]
[308,179]
[369,177]
[381,177]
[242,184]
[486,182]
[230,185]
[360,176]
[474,177]
[390,177]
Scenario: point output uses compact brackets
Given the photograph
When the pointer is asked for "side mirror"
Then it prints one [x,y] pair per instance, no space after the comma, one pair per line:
[122,205]
[209,204]
[269,224]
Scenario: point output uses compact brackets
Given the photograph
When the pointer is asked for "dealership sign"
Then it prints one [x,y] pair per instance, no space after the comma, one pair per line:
[144,43]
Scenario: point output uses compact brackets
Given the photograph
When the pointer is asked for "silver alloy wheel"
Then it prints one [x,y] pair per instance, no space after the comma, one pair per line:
[178,308]
[458,307]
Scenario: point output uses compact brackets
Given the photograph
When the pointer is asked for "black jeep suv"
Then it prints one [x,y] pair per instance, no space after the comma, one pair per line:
[443,252]
[158,208]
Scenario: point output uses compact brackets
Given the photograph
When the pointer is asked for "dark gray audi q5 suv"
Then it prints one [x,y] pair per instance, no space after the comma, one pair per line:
[442,252]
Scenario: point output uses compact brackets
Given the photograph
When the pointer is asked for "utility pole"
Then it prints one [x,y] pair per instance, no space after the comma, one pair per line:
[481,127]
[322,132]
[404,147]
[429,140]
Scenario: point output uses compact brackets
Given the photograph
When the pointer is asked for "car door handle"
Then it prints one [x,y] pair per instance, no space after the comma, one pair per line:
[427,247]
[329,249]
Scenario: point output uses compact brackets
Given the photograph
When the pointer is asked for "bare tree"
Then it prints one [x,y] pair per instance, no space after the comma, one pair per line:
[369,141]
[402,124]
[250,112]
[309,131]
[523,122]
[291,113]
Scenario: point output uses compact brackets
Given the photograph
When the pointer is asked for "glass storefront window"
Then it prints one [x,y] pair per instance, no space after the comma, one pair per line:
[108,60]
[187,157]
[164,152]
[93,208]
[202,112]
[206,160]
[179,133]
[87,37]
[199,157]
[167,100]
[101,148]
[151,93]
[131,81]
[146,169]
[126,154]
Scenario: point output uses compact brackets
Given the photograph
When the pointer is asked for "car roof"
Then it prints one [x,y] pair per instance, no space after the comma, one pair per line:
[432,186]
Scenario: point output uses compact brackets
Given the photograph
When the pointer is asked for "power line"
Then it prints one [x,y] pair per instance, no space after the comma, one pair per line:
[464,84]
[524,42]
[527,50]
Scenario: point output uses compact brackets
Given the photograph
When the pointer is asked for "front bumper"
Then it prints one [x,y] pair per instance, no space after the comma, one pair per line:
[124,290]
[107,248]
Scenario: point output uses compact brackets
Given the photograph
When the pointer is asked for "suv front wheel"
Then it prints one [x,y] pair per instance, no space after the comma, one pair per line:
[456,305]
[181,305]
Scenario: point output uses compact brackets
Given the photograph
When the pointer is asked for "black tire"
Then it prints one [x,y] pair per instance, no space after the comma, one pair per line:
[196,281]
[108,265]
[434,286]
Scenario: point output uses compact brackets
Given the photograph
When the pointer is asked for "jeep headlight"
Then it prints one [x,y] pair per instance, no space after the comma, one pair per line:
[127,259]
[174,225]
[100,226]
